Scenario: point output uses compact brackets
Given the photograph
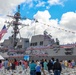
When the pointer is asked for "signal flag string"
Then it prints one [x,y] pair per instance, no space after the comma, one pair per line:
[61,29]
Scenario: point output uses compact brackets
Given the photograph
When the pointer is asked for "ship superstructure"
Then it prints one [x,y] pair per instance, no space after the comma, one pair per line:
[44,46]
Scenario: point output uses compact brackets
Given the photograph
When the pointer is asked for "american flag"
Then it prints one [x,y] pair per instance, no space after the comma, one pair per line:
[3,31]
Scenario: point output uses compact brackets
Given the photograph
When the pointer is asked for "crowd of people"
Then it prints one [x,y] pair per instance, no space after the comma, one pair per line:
[38,66]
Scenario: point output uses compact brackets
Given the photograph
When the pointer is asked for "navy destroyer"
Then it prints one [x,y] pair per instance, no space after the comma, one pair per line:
[41,46]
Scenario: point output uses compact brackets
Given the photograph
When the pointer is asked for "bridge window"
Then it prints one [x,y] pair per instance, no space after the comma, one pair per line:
[19,46]
[27,41]
[41,43]
[33,44]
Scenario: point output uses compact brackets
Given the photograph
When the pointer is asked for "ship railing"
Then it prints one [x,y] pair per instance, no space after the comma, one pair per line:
[39,48]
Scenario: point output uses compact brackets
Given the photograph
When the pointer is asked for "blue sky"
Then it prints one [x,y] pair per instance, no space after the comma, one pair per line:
[56,10]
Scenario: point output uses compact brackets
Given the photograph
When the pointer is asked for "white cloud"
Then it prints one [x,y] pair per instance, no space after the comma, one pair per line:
[68,20]
[40,15]
[56,2]
[31,5]
[8,5]
[47,7]
[28,1]
[41,4]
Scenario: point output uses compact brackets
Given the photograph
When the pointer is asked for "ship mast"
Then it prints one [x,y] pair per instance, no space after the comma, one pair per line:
[15,24]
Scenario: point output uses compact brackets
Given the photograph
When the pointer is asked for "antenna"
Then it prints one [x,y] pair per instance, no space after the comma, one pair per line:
[18,8]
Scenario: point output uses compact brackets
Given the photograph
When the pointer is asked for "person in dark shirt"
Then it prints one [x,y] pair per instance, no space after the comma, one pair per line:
[42,62]
[57,67]
[13,65]
[42,65]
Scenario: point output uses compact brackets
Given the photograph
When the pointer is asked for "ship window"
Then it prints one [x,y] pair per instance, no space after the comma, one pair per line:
[31,44]
[41,43]
[69,51]
[19,46]
[27,41]
[35,43]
